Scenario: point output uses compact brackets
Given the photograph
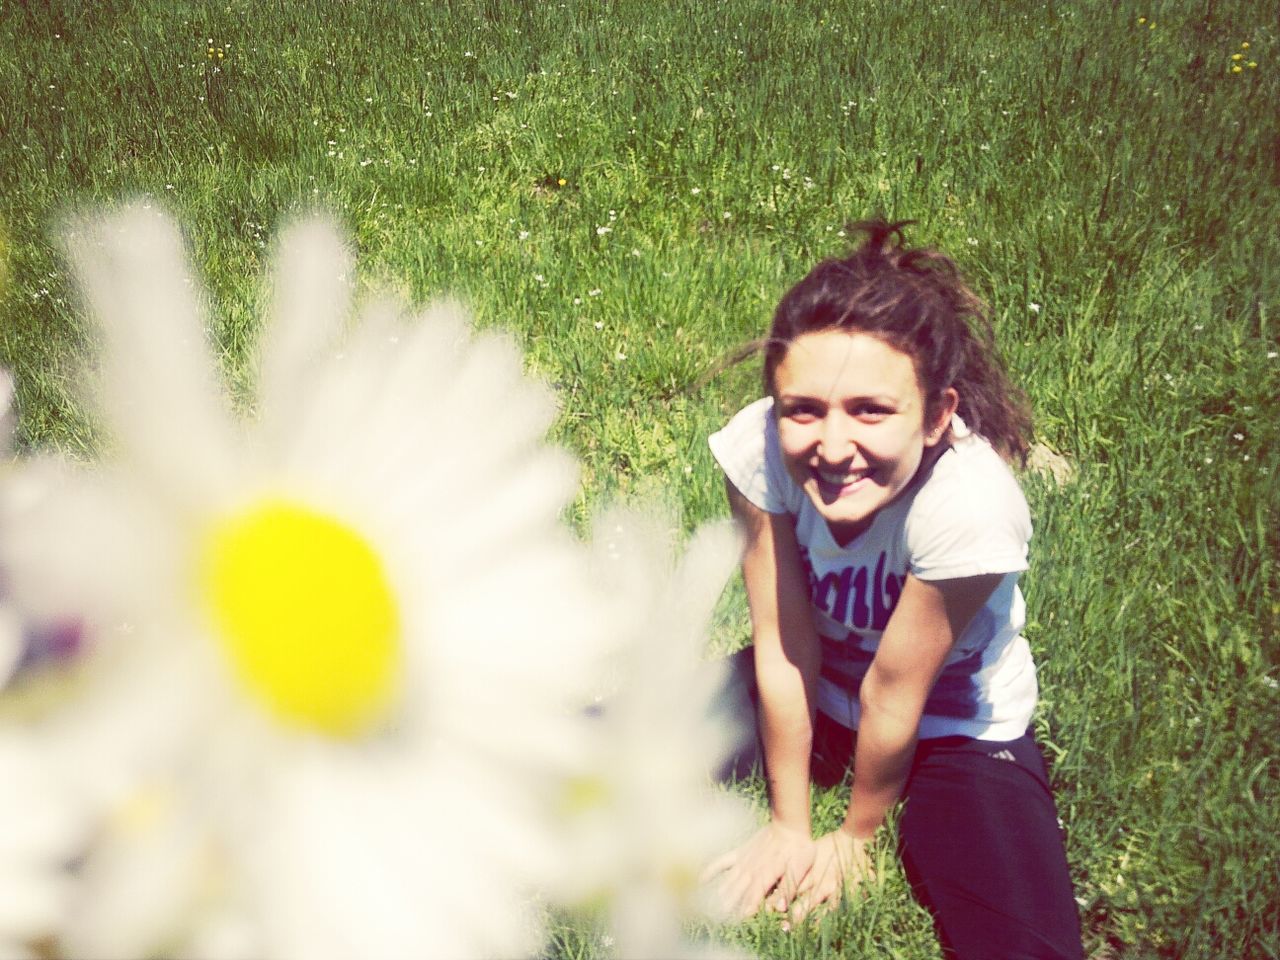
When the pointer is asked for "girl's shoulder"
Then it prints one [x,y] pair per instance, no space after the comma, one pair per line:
[969,515]
[747,450]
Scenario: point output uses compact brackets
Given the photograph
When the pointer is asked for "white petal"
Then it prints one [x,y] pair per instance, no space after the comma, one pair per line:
[311,284]
[158,391]
[139,888]
[709,560]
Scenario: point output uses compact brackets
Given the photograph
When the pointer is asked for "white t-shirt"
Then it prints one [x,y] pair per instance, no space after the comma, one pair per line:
[964,517]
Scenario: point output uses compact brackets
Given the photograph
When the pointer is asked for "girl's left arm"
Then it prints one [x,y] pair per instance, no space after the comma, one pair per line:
[928,619]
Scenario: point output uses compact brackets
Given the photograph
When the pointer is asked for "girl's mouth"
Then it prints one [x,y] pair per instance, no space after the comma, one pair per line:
[839,482]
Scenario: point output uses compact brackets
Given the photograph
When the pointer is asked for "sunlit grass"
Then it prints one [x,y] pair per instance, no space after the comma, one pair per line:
[630,187]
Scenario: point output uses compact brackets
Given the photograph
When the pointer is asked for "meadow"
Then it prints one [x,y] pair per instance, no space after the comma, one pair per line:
[628,187]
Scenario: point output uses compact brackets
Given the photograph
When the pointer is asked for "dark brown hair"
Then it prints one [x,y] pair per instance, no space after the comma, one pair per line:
[916,301]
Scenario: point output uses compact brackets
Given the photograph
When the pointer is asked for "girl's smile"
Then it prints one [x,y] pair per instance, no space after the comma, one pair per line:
[851,424]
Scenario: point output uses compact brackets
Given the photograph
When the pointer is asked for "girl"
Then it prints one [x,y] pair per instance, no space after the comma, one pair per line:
[885,536]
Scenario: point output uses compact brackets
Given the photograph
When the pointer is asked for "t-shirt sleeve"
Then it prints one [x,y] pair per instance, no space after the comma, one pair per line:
[748,453]
[969,519]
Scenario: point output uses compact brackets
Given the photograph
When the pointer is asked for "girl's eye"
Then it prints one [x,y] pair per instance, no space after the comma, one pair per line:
[801,412]
[871,414]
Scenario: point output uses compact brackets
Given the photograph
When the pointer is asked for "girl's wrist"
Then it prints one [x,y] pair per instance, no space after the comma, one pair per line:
[795,823]
[859,829]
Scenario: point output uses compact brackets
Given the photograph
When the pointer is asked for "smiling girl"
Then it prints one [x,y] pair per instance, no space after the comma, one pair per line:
[885,537]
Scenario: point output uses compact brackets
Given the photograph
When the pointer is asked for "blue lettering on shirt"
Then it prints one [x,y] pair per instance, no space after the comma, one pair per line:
[857,596]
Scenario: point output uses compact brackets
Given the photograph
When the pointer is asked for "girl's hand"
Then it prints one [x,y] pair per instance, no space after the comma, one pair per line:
[771,864]
[840,864]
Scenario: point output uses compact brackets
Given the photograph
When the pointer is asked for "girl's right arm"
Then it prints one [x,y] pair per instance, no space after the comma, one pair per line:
[787,658]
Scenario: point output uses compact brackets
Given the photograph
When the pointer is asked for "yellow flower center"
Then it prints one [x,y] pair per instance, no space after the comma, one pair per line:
[584,794]
[305,614]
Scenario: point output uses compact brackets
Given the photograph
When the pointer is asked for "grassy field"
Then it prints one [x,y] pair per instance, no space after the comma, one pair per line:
[628,187]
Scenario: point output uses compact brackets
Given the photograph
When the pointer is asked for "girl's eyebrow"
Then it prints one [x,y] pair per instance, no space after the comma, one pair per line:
[881,398]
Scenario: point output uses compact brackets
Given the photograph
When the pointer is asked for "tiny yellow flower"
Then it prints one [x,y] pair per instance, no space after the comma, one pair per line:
[1141,20]
[1237,68]
[1253,64]
[562,181]
[1237,56]
[1151,25]
[1245,45]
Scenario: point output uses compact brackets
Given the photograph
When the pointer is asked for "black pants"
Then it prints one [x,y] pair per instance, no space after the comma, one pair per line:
[979,833]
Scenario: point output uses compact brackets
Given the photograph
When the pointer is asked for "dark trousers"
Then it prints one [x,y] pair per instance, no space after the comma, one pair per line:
[979,833]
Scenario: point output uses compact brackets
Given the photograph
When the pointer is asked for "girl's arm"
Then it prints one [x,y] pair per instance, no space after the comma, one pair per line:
[787,657]
[930,615]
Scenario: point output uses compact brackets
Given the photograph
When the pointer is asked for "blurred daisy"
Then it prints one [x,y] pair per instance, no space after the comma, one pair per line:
[333,642]
[643,814]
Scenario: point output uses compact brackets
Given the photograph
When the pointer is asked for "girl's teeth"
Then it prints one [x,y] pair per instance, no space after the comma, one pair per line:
[841,479]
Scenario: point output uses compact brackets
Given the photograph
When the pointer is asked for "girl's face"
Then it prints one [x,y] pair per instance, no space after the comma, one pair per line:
[851,420]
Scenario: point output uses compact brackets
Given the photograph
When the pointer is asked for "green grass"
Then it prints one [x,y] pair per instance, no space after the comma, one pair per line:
[1120,178]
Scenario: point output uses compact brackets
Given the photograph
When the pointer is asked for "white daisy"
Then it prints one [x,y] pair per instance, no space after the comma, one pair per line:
[643,813]
[334,643]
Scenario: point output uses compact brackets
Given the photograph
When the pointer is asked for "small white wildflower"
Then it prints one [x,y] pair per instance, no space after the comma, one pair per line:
[696,190]
[1208,460]
[601,231]
[1271,354]
[577,301]
[599,324]
[524,234]
[1271,682]
[1033,307]
[594,293]
[972,241]
[1237,436]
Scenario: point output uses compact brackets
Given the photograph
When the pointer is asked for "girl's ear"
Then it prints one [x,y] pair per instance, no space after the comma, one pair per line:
[947,405]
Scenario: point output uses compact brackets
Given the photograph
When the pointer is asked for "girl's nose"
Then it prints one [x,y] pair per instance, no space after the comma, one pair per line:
[836,440]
